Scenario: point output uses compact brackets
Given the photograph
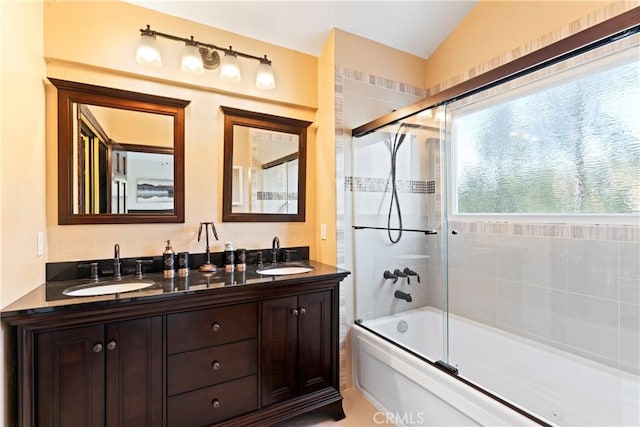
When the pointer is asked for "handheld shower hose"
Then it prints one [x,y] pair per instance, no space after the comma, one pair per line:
[394,145]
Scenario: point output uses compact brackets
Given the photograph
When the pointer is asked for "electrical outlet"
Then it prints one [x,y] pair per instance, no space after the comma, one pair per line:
[40,238]
[323,231]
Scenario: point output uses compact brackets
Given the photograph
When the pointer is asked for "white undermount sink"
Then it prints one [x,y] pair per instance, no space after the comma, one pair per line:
[282,271]
[107,288]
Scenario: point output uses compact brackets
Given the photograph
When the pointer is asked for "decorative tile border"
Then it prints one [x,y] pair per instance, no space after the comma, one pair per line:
[584,58]
[276,195]
[363,184]
[614,9]
[431,187]
[381,82]
[618,233]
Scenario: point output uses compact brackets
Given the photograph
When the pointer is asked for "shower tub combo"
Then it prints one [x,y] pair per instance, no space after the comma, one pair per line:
[410,390]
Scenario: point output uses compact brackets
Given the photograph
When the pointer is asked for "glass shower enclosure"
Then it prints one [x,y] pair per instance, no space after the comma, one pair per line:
[509,222]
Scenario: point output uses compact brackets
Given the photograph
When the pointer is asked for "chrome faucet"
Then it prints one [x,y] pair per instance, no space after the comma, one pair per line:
[275,245]
[117,275]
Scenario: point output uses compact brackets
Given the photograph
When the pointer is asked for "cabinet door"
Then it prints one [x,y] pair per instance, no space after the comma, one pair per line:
[70,377]
[134,372]
[314,342]
[279,330]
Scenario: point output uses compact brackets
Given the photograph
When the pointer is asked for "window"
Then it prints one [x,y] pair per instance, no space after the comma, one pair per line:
[564,140]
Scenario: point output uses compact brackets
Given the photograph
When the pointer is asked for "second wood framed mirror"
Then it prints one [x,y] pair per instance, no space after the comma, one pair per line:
[265,166]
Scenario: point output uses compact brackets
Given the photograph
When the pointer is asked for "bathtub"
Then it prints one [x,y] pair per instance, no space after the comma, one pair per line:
[555,387]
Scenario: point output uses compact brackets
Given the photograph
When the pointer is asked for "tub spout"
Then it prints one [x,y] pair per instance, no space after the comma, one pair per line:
[403,295]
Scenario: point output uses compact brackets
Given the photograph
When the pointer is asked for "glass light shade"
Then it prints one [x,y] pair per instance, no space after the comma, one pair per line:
[264,77]
[230,68]
[148,51]
[191,60]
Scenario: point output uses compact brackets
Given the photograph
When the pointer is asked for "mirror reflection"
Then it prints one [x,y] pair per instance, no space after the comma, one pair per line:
[265,171]
[264,177]
[119,168]
[120,155]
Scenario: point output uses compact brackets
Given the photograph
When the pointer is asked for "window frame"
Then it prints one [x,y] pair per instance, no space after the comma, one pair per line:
[546,79]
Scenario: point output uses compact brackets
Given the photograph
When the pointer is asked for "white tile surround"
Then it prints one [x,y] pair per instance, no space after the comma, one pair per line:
[574,287]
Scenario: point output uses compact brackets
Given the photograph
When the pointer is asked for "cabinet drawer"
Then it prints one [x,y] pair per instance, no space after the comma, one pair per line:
[213,404]
[212,365]
[204,328]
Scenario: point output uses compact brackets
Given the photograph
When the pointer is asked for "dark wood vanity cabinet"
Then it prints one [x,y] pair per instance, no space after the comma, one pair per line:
[101,375]
[250,355]
[211,364]
[296,346]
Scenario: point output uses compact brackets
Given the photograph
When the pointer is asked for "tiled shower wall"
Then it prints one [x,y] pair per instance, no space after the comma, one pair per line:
[360,97]
[370,189]
[574,287]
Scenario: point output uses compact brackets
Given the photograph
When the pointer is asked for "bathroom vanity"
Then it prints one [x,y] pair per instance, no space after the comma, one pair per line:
[225,349]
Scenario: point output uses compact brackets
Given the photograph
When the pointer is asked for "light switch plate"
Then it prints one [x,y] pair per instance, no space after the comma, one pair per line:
[323,231]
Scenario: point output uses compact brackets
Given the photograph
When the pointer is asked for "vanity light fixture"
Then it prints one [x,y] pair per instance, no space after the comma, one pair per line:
[148,51]
[198,56]
[191,59]
[264,76]
[230,68]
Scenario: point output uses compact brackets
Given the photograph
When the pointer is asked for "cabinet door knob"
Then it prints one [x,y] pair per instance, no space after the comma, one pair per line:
[97,348]
[215,327]
[294,312]
[215,403]
[111,345]
[215,365]
[303,310]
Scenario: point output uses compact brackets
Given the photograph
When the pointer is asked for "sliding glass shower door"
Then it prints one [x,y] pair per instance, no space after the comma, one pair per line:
[397,221]
[543,246]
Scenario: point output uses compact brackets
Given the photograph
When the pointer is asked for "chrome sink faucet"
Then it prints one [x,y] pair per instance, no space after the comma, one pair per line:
[275,245]
[117,275]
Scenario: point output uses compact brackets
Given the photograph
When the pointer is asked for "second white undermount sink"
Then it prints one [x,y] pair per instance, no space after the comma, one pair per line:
[285,270]
[107,288]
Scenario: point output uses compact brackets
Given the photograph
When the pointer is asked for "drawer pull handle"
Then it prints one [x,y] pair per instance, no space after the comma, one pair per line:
[215,365]
[303,310]
[97,348]
[215,403]
[294,312]
[215,327]
[111,345]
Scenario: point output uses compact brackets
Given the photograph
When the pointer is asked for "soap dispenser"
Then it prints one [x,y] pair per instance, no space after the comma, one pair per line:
[168,258]
[229,258]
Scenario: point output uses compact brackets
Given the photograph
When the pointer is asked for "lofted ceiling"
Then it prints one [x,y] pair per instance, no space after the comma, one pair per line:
[416,27]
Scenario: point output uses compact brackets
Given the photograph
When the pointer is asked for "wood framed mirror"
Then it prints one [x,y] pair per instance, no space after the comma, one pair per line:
[120,156]
[265,166]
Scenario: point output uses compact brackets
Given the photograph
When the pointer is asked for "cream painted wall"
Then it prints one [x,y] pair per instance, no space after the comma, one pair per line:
[22,162]
[357,53]
[325,152]
[23,154]
[100,50]
[493,28]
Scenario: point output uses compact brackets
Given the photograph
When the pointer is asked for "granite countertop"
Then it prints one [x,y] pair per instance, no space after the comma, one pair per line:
[49,297]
